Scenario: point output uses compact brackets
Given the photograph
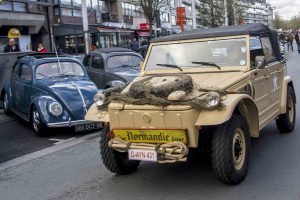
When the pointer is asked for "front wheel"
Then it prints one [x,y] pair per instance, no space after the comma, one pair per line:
[230,150]
[39,127]
[286,122]
[114,161]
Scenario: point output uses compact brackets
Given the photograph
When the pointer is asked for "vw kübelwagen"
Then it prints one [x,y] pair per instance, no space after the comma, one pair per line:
[227,83]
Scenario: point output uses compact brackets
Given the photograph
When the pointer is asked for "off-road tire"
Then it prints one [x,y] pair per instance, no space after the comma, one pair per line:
[286,122]
[114,161]
[38,126]
[230,156]
[5,103]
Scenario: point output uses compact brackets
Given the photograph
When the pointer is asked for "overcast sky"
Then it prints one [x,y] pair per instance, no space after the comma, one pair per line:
[286,8]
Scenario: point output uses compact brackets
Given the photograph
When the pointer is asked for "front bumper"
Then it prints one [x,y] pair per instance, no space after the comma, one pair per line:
[68,123]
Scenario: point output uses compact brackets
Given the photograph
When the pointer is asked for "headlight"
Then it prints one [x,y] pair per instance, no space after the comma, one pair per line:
[55,109]
[213,99]
[99,99]
[117,83]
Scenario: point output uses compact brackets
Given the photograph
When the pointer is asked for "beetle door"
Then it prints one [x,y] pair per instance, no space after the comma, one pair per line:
[24,88]
[96,71]
[14,85]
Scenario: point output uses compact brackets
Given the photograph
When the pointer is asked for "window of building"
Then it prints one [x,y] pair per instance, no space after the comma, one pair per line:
[94,4]
[77,13]
[103,6]
[66,2]
[88,3]
[164,17]
[21,7]
[173,20]
[6,6]
[172,3]
[76,2]
[131,9]
[56,11]
[66,12]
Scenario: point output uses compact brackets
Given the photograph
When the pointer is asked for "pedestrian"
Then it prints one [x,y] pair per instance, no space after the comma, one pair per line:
[41,49]
[297,38]
[11,46]
[94,47]
[134,45]
[290,40]
[144,42]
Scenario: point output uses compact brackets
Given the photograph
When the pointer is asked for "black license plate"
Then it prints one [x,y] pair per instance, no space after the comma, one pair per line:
[87,127]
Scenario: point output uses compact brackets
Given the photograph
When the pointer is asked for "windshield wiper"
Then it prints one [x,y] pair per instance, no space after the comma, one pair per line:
[171,66]
[207,63]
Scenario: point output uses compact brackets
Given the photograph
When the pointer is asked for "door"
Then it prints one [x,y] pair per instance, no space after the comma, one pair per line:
[14,85]
[97,71]
[24,89]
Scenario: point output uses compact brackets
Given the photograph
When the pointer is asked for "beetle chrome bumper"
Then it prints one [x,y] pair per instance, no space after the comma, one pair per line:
[68,123]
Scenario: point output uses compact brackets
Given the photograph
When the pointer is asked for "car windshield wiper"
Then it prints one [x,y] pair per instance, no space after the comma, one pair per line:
[207,63]
[171,66]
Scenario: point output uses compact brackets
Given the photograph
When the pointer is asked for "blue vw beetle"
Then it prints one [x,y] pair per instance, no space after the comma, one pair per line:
[50,91]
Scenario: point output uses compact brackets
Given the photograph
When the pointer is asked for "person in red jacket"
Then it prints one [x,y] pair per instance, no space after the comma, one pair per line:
[41,49]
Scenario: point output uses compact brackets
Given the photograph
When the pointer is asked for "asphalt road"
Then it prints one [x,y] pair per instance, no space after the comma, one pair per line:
[76,172]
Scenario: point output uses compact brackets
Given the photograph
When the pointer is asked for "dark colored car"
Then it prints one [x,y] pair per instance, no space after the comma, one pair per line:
[142,50]
[111,67]
[48,91]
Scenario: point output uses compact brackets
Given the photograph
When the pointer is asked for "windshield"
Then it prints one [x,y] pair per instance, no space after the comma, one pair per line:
[221,53]
[48,70]
[123,61]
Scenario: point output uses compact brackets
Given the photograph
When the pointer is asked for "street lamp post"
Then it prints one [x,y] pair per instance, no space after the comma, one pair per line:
[194,15]
[85,26]
[225,13]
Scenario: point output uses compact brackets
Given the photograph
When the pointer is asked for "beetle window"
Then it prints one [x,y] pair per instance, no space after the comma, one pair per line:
[25,72]
[87,61]
[97,62]
[16,71]
[267,48]
[48,70]
[123,61]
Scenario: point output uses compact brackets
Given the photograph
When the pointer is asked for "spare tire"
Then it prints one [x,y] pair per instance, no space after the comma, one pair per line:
[162,86]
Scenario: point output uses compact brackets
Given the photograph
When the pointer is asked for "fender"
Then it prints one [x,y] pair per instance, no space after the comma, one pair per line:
[94,114]
[240,103]
[285,83]
[41,103]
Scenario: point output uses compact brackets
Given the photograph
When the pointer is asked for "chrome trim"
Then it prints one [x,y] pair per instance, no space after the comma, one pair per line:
[81,96]
[68,123]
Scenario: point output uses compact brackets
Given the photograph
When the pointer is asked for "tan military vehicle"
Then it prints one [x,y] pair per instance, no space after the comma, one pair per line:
[217,86]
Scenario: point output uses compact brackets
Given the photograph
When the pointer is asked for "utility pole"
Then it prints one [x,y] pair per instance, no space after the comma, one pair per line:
[85,26]
[226,13]
[194,15]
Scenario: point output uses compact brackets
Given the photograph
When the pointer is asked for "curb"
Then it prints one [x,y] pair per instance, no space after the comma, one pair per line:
[49,150]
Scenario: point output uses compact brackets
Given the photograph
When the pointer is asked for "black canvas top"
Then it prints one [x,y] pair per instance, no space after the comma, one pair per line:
[247,29]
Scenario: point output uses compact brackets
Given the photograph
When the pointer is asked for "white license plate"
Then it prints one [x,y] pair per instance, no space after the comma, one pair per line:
[87,127]
[144,155]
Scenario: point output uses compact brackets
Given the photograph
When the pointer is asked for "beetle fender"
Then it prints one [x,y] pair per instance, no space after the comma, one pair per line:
[286,82]
[240,103]
[41,103]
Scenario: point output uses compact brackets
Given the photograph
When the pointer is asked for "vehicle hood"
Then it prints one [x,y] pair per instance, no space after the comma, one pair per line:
[67,92]
[127,73]
[218,80]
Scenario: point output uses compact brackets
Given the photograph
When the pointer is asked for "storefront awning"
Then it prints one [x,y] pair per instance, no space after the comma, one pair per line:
[71,29]
[113,30]
[33,21]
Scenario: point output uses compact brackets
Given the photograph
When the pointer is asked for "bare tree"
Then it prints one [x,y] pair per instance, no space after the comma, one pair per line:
[235,11]
[151,8]
[211,12]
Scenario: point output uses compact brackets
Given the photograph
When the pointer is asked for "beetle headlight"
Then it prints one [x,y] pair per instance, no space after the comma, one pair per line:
[99,99]
[55,109]
[213,99]
[117,83]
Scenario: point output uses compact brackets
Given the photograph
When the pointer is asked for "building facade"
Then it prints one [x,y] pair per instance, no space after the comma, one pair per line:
[32,19]
[257,11]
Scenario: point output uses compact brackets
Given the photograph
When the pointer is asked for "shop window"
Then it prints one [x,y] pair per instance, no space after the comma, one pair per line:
[77,13]
[6,6]
[21,7]
[76,2]
[56,11]
[66,2]
[66,12]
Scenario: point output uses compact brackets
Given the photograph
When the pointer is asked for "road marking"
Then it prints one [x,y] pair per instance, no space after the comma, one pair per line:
[59,141]
[49,150]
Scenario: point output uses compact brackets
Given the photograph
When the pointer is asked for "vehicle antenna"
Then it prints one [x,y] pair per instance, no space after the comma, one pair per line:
[54,46]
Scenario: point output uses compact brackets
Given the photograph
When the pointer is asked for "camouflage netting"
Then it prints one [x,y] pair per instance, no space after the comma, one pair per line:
[166,90]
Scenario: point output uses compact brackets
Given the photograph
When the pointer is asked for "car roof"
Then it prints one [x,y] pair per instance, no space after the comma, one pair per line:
[247,29]
[42,57]
[112,49]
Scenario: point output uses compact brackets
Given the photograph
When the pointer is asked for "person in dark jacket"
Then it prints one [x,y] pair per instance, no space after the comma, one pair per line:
[134,45]
[297,38]
[11,46]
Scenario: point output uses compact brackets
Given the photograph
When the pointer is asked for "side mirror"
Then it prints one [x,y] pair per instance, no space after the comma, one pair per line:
[141,65]
[260,62]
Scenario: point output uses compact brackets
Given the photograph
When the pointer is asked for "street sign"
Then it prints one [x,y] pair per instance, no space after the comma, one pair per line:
[181,17]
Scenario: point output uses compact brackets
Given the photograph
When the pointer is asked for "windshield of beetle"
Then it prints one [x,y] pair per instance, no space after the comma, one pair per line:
[214,53]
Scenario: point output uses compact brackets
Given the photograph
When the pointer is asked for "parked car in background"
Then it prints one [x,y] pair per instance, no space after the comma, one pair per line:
[111,67]
[49,92]
[142,50]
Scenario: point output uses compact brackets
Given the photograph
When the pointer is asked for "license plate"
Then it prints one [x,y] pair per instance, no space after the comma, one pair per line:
[87,127]
[144,155]
[151,136]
